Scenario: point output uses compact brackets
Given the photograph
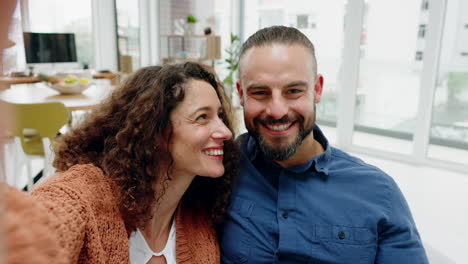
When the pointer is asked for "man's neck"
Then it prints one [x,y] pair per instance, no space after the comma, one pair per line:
[309,149]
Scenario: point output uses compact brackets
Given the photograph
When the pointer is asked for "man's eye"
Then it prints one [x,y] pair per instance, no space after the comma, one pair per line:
[202,117]
[259,93]
[294,91]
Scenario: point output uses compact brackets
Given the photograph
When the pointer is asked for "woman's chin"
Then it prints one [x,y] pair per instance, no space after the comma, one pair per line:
[213,174]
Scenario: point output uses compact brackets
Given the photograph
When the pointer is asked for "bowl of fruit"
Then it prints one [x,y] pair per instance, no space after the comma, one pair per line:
[68,83]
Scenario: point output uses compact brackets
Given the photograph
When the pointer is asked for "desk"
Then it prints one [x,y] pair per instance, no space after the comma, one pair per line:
[112,76]
[6,81]
[40,93]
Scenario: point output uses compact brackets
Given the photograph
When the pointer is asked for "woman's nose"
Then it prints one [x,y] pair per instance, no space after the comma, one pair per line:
[222,131]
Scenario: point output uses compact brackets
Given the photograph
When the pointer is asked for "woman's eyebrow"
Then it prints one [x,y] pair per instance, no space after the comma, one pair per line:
[200,109]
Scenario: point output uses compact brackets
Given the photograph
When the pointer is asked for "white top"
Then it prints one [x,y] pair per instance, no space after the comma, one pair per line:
[141,253]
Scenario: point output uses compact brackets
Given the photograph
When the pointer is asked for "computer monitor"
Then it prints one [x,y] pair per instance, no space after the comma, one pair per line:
[49,47]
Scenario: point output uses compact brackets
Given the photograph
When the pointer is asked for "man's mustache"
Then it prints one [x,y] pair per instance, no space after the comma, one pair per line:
[272,121]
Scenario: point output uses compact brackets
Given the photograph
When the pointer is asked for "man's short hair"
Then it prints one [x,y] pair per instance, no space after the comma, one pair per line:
[279,35]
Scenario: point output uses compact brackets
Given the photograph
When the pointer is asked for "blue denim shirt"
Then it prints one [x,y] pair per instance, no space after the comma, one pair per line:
[333,209]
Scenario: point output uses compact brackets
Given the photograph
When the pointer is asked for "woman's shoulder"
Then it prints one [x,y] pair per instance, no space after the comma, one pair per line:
[76,174]
[84,182]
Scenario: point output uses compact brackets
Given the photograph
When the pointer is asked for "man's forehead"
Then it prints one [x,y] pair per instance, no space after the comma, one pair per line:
[274,47]
[265,62]
[264,55]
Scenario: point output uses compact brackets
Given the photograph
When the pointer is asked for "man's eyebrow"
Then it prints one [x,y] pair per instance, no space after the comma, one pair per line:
[296,83]
[257,86]
[291,84]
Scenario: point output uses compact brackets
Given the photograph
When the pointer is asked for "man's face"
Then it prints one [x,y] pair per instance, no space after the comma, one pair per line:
[278,90]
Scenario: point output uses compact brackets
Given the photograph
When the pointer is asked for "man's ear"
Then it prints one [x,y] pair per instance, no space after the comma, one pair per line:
[318,88]
[241,93]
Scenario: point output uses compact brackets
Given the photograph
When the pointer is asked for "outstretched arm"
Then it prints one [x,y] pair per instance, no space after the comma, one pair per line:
[28,229]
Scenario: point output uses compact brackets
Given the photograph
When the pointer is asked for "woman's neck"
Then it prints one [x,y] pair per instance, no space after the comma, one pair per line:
[156,231]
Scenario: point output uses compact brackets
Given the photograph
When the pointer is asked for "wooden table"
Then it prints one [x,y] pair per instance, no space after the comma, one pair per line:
[40,93]
[7,81]
[112,76]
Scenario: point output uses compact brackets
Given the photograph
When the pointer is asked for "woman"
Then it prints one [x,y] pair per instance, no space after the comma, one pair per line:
[127,187]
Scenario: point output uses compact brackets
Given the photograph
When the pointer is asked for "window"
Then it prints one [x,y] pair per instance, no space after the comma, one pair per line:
[302,21]
[63,16]
[419,56]
[128,35]
[449,128]
[389,78]
[425,5]
[422,31]
[322,22]
[14,56]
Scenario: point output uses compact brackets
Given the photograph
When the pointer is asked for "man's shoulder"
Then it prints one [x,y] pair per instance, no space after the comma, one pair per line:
[353,165]
[370,180]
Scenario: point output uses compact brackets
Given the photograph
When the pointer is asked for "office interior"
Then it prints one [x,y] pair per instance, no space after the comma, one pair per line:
[395,90]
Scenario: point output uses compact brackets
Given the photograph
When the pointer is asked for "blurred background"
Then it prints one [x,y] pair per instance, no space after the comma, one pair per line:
[395,92]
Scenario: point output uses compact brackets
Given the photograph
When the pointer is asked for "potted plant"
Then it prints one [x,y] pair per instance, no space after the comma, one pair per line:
[190,25]
[232,66]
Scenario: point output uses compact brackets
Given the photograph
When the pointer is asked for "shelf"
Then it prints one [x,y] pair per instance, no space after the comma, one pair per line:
[211,48]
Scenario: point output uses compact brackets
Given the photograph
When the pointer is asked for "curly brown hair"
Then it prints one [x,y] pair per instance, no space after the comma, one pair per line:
[125,137]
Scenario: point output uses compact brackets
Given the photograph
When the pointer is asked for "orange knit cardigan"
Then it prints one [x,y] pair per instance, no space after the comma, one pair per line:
[90,228]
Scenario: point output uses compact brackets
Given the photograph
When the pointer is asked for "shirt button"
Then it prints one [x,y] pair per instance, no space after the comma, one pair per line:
[280,258]
[285,215]
[341,235]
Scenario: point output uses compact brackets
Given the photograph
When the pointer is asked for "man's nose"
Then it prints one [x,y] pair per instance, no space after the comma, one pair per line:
[277,107]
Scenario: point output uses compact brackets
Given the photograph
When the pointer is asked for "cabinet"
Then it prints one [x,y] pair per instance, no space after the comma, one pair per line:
[200,48]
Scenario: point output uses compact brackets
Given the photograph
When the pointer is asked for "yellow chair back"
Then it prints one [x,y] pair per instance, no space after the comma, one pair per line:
[32,122]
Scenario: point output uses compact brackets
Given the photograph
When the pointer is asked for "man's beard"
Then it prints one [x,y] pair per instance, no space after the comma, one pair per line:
[281,153]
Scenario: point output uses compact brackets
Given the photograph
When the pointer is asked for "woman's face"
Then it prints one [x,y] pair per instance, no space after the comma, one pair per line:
[199,132]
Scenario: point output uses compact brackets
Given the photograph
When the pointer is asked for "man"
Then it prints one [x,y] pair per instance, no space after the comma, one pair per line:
[299,200]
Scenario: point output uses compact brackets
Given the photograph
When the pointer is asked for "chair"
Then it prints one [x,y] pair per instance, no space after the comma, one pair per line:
[34,128]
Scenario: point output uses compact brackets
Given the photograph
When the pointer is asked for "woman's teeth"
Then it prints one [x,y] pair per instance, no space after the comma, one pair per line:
[214,152]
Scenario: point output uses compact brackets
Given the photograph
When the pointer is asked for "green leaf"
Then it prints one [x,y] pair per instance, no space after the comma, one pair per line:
[191,19]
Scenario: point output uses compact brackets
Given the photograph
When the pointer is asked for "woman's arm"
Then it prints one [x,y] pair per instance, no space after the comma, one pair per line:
[28,229]
[69,217]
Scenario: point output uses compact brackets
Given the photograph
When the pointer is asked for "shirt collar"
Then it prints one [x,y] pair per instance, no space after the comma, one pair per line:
[319,163]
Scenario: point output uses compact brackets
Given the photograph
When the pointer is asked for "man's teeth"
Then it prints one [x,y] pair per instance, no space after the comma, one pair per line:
[279,127]
[214,152]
